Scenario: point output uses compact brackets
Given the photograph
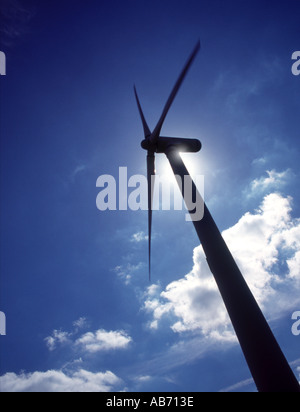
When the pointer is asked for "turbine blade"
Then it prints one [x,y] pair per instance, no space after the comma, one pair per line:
[150,173]
[157,130]
[147,131]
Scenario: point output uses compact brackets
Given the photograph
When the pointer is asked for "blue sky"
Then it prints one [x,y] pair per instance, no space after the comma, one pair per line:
[81,314]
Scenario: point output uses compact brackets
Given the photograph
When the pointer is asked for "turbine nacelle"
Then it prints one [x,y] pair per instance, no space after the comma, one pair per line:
[164,144]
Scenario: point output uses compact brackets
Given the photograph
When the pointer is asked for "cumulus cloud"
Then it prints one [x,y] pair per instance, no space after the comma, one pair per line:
[58,337]
[274,181]
[194,302]
[89,342]
[102,340]
[266,246]
[75,379]
[58,381]
[72,377]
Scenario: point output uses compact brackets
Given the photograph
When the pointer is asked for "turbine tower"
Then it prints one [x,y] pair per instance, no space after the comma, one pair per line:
[267,363]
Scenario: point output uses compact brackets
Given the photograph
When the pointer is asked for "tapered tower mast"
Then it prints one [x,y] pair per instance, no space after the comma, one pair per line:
[267,363]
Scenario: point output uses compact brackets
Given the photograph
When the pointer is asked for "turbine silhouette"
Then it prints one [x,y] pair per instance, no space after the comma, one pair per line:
[152,139]
[268,365]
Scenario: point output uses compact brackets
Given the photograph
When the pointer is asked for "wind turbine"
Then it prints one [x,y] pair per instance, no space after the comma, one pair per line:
[267,363]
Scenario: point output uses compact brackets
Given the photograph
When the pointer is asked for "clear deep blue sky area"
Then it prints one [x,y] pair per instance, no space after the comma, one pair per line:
[80,312]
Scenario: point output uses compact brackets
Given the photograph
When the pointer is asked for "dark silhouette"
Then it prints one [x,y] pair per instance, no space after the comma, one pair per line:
[268,365]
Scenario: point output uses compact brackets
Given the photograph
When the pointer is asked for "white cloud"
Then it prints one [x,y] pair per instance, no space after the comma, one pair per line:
[58,381]
[194,301]
[139,237]
[143,378]
[261,161]
[266,245]
[58,337]
[125,272]
[89,342]
[152,290]
[238,386]
[70,378]
[273,181]
[80,323]
[102,340]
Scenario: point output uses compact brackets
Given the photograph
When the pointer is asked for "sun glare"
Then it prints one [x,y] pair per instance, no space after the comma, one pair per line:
[194,164]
